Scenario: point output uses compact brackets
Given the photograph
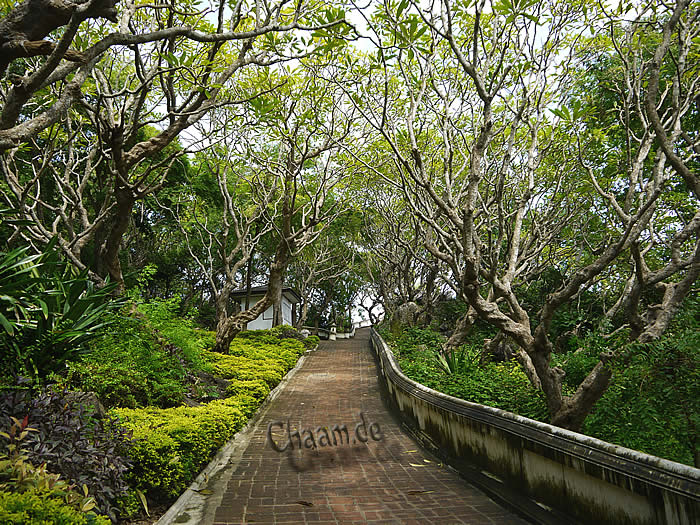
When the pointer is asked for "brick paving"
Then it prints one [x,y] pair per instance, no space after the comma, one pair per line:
[390,480]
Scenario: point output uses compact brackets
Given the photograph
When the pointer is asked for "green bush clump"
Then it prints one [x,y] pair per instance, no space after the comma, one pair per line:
[412,339]
[272,335]
[172,445]
[129,367]
[39,508]
[256,388]
[181,332]
[653,404]
[256,356]
[311,342]
[240,367]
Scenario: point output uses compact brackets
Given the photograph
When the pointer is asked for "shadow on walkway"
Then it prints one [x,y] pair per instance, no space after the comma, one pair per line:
[388,479]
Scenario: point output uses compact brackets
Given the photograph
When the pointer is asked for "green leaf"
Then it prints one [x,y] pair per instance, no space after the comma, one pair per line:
[7,325]
[402,7]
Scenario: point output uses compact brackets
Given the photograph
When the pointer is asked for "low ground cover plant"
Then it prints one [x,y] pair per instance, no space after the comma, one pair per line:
[173,444]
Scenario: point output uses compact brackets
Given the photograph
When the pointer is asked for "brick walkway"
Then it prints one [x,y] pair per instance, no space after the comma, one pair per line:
[390,480]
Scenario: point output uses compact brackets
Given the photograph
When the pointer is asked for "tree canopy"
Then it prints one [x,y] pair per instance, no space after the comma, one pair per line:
[535,161]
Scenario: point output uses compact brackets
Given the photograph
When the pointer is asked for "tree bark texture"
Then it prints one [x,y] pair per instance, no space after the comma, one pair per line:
[22,31]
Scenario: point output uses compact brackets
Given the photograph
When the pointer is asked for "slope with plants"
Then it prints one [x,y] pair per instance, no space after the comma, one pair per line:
[653,404]
[126,419]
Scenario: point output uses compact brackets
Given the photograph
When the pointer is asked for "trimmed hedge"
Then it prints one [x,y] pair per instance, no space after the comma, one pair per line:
[172,445]
[24,508]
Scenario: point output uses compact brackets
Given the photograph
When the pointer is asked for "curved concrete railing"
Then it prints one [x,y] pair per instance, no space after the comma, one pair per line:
[534,465]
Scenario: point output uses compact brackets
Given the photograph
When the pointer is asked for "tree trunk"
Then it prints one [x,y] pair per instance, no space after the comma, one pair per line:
[229,327]
[303,315]
[109,264]
[28,23]
[248,281]
[461,331]
[575,409]
[528,368]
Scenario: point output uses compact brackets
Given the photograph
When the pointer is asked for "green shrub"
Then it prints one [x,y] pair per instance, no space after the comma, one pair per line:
[162,315]
[284,331]
[129,367]
[500,385]
[653,404]
[311,342]
[256,355]
[256,388]
[49,312]
[417,338]
[42,508]
[172,445]
[240,367]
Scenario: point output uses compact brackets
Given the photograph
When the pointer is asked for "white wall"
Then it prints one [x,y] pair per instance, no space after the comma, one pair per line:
[264,321]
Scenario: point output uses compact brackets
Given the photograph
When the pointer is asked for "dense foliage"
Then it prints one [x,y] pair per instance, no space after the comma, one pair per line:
[67,435]
[49,312]
[514,171]
[33,494]
[147,357]
[36,508]
[143,364]
[500,385]
[652,405]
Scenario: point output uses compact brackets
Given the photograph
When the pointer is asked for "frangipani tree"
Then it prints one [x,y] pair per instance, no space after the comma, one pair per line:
[474,108]
[97,92]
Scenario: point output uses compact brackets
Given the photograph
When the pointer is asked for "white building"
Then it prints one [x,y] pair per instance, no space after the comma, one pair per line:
[290,298]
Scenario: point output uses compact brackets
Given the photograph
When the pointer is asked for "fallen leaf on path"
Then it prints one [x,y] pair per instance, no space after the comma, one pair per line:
[305,503]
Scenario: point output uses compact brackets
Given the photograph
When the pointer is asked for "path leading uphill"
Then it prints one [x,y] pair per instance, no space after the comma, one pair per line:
[389,479]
